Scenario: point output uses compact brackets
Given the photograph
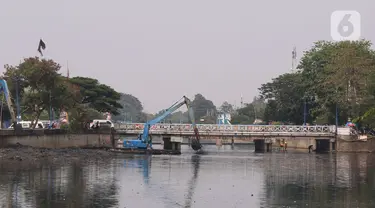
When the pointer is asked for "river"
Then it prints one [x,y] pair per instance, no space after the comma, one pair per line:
[224,177]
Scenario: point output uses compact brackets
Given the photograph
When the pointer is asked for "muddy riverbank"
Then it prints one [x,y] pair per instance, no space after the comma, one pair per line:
[19,155]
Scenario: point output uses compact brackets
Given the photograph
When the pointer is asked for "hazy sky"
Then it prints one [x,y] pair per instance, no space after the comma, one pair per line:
[160,50]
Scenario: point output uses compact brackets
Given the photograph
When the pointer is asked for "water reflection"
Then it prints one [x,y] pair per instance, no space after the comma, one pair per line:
[160,184]
[330,180]
[77,185]
[143,163]
[222,178]
[195,159]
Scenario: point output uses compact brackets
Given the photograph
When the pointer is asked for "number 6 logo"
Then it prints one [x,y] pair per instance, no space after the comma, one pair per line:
[345,25]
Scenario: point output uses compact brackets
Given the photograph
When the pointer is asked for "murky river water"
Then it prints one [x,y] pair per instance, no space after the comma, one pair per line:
[224,177]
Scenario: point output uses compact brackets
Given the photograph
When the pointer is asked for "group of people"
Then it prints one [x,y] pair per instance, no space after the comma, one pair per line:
[283,145]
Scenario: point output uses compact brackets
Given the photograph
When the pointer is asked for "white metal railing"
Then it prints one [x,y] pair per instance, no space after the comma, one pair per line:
[229,128]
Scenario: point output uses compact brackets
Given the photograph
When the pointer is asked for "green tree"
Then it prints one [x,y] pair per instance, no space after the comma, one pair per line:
[226,108]
[131,109]
[330,74]
[180,117]
[204,109]
[287,94]
[98,96]
[338,73]
[245,115]
[271,112]
[259,107]
[176,117]
[40,86]
[166,119]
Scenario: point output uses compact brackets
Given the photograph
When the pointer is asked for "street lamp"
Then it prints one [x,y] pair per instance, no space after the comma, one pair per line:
[304,111]
[305,108]
[337,117]
[336,113]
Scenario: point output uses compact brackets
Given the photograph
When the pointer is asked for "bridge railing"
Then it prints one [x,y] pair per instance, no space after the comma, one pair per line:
[229,128]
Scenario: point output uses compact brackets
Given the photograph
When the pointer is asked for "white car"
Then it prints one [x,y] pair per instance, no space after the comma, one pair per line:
[101,122]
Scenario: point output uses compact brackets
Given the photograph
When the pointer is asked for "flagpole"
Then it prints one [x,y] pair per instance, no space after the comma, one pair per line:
[42,46]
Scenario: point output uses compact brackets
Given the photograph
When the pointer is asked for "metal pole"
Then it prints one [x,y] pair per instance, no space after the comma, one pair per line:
[337,117]
[50,108]
[17,102]
[304,112]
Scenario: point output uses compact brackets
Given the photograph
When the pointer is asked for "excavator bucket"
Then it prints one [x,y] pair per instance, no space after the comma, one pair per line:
[195,143]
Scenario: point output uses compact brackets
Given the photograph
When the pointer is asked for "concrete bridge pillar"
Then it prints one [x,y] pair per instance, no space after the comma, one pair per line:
[172,143]
[269,147]
[263,145]
[259,145]
[323,145]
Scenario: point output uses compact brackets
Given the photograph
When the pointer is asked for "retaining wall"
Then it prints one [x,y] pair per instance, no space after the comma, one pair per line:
[55,139]
[347,145]
[104,138]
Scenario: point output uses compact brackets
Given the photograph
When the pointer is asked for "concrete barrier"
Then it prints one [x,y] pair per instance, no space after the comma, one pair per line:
[56,139]
[344,145]
[107,138]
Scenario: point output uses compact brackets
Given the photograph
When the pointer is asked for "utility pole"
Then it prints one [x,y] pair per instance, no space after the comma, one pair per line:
[50,108]
[241,101]
[337,117]
[336,114]
[294,59]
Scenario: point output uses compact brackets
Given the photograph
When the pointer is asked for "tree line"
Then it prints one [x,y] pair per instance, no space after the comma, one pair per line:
[42,92]
[334,80]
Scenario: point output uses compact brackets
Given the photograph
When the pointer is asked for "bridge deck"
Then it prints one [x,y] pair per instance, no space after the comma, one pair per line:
[229,130]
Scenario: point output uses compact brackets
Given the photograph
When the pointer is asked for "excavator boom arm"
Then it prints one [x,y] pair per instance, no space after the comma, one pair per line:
[5,89]
[170,110]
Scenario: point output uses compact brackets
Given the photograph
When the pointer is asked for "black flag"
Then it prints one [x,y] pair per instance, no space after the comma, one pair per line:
[41,46]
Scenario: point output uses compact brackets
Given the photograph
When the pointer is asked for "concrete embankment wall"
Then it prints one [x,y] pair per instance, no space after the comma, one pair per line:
[347,144]
[104,138]
[54,139]
[293,142]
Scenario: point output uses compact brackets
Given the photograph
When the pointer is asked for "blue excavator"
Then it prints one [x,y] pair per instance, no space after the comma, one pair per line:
[144,140]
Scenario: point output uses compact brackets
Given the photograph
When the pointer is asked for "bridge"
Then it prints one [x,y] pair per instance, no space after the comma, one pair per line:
[229,130]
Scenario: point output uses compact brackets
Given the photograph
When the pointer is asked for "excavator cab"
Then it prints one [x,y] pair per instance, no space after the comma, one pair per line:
[196,145]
